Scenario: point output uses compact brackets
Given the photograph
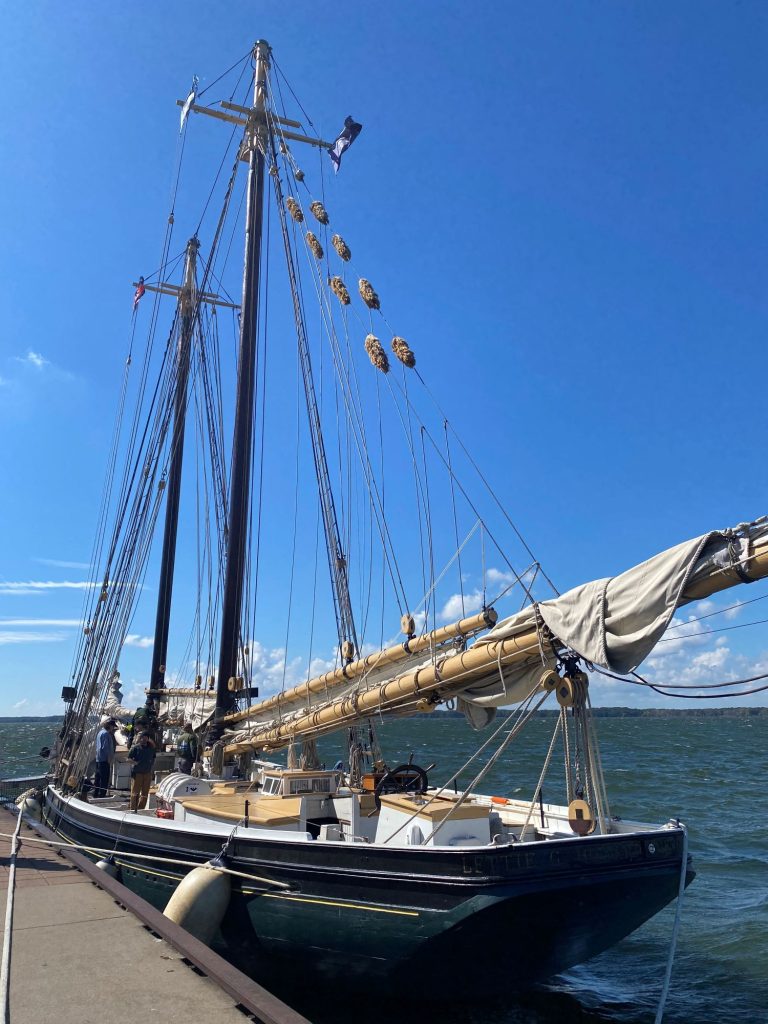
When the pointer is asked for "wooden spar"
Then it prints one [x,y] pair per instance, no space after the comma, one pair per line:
[755,568]
[457,672]
[390,656]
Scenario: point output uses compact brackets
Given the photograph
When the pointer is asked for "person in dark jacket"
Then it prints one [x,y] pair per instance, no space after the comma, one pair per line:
[142,753]
[106,745]
[186,748]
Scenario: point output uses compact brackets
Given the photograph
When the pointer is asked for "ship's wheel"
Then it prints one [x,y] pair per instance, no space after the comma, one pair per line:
[406,778]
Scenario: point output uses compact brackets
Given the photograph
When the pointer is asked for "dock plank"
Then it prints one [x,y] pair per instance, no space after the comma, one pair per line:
[79,956]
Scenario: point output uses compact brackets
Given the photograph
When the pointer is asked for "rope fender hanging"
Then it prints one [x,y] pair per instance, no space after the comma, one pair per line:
[376,353]
[341,248]
[314,245]
[403,352]
[339,289]
[294,209]
[319,211]
[367,294]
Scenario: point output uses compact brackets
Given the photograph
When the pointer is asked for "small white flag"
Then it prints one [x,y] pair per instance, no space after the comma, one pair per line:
[188,104]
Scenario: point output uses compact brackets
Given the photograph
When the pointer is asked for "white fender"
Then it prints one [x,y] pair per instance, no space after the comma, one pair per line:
[109,867]
[200,902]
[30,805]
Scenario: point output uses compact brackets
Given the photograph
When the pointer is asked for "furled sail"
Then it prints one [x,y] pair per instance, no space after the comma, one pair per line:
[614,623]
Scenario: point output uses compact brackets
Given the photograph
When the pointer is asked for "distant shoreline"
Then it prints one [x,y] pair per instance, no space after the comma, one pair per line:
[726,712]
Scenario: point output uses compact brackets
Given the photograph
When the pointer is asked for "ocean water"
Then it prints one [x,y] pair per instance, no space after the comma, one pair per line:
[709,772]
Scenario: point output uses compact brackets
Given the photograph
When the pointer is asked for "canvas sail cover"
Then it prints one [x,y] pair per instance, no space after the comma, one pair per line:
[616,622]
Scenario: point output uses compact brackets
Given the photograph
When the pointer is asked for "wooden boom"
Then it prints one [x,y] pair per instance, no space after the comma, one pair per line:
[458,671]
[345,675]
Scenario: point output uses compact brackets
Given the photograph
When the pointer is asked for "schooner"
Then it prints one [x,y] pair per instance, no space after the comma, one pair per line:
[374,865]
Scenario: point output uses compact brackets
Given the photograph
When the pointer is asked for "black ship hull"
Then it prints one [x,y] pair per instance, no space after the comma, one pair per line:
[496,916]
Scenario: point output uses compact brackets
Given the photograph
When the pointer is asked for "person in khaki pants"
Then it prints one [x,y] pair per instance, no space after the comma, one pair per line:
[142,753]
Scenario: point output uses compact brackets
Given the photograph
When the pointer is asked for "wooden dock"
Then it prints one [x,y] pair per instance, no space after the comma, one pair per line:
[86,950]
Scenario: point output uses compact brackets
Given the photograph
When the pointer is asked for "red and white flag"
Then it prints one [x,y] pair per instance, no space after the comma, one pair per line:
[138,293]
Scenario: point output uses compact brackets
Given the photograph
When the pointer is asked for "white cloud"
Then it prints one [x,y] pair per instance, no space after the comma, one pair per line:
[11,637]
[498,576]
[456,606]
[134,640]
[20,703]
[734,611]
[61,564]
[18,588]
[508,576]
[69,623]
[33,359]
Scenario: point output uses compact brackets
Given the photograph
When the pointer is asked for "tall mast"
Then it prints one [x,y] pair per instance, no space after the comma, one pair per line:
[237,520]
[187,304]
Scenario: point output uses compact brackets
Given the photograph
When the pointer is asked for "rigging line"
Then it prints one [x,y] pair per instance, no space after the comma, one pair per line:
[337,570]
[639,680]
[448,564]
[358,431]
[706,632]
[719,611]
[171,265]
[544,770]
[103,516]
[282,75]
[485,482]
[295,522]
[486,529]
[418,487]
[369,517]
[521,717]
[358,428]
[455,520]
[337,563]
[225,73]
[218,172]
[532,568]
[710,696]
[314,600]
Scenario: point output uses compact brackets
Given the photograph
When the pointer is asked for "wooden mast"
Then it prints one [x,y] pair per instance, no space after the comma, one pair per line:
[237,519]
[187,305]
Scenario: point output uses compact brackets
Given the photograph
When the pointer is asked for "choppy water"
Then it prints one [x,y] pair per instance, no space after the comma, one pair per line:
[707,771]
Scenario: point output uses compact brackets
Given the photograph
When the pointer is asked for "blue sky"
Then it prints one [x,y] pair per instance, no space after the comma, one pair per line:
[563,207]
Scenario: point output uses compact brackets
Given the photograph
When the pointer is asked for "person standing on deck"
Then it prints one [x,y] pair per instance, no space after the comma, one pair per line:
[106,745]
[142,753]
[186,748]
